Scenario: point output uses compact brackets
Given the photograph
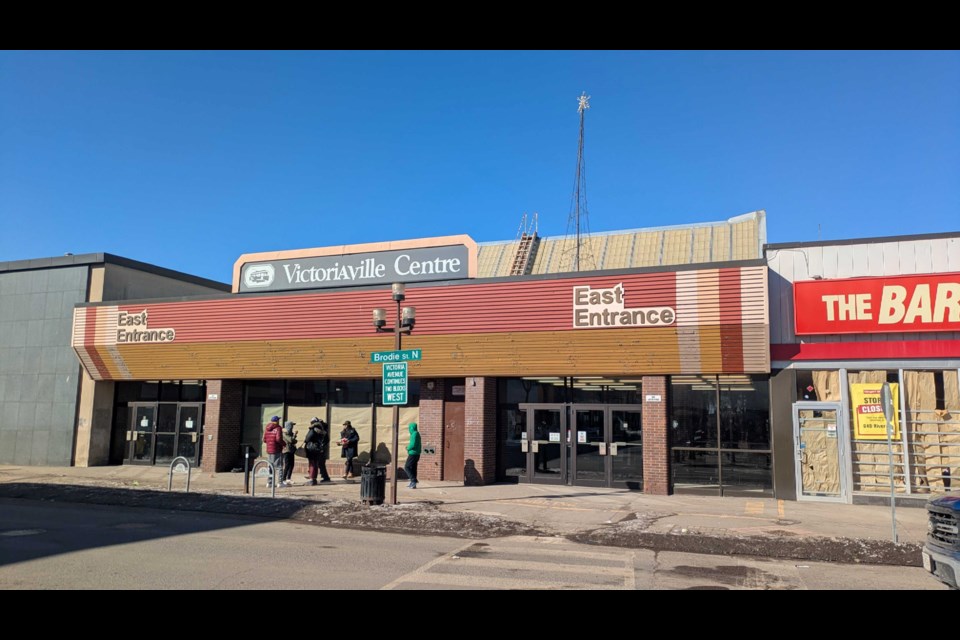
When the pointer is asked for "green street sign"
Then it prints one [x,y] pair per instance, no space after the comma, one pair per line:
[406,355]
[395,383]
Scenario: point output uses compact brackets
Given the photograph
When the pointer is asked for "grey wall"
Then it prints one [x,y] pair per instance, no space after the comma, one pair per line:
[39,371]
[123,283]
[906,257]
[783,390]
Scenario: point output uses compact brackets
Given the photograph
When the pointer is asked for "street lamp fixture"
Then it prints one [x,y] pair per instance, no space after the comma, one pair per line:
[406,318]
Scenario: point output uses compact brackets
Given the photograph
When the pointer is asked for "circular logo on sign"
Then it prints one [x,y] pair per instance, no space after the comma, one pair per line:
[258,275]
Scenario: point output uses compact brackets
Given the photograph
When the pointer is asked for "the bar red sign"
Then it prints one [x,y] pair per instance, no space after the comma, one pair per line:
[891,304]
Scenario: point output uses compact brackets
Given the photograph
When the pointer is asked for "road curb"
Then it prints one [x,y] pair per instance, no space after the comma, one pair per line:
[812,548]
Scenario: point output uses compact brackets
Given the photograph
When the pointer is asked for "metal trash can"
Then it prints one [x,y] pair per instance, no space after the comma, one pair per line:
[373,483]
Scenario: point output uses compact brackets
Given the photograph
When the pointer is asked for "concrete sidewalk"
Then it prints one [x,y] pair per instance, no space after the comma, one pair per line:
[748,526]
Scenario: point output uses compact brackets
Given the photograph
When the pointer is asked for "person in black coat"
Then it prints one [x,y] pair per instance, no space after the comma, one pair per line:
[350,441]
[315,443]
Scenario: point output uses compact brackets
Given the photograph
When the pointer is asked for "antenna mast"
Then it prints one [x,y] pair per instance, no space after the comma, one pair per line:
[578,223]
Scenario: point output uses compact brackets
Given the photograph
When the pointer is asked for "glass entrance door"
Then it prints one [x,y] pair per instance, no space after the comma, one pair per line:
[140,435]
[189,421]
[548,464]
[819,451]
[588,450]
[165,448]
[543,442]
[626,446]
[595,445]
[159,432]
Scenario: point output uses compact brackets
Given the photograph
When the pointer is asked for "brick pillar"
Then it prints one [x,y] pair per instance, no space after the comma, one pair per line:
[656,438]
[431,428]
[222,421]
[480,432]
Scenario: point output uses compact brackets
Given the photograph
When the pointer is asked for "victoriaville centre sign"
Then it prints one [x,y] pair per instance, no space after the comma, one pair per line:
[424,260]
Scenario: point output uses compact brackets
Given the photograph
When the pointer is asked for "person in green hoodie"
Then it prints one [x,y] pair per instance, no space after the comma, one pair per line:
[413,456]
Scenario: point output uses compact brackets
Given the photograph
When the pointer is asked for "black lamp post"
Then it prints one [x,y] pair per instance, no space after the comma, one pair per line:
[406,318]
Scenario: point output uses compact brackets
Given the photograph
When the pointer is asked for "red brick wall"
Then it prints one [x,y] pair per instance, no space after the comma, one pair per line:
[480,431]
[222,421]
[431,428]
[656,445]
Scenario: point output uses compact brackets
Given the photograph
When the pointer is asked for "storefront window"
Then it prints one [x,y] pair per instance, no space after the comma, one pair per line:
[932,410]
[695,471]
[746,473]
[263,399]
[170,390]
[519,390]
[693,417]
[149,390]
[137,392]
[589,394]
[260,392]
[744,412]
[713,419]
[870,453]
[192,391]
[307,392]
[559,390]
[818,386]
[352,392]
[512,428]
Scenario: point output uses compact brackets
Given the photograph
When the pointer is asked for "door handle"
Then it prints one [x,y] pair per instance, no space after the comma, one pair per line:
[603,448]
[613,448]
[524,446]
[536,446]
[193,437]
[130,436]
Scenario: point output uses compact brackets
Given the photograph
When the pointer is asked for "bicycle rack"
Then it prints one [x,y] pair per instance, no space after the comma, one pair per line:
[171,472]
[273,475]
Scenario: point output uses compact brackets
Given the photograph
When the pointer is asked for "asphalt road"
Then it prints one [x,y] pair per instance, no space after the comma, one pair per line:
[46,545]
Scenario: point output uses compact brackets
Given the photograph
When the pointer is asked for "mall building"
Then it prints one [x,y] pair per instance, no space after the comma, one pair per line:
[531,371]
[669,359]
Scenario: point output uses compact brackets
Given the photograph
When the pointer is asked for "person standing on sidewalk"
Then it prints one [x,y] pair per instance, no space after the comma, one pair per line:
[413,456]
[273,438]
[350,441]
[289,451]
[315,444]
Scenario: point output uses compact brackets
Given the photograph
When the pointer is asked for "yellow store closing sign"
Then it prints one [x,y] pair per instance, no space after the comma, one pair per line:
[869,422]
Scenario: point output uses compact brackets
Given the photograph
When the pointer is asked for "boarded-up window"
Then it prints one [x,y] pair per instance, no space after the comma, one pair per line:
[361,417]
[385,433]
[871,458]
[932,400]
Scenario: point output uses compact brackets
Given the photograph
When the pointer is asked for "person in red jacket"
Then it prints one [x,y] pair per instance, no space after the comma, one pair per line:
[273,438]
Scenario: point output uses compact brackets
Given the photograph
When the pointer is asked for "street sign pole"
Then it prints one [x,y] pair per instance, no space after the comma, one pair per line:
[396,424]
[886,399]
[395,391]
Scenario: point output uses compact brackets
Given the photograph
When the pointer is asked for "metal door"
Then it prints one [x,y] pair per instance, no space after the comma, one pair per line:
[453,424]
[818,447]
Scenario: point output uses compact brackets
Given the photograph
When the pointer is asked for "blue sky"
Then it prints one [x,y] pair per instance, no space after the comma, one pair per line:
[189,159]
